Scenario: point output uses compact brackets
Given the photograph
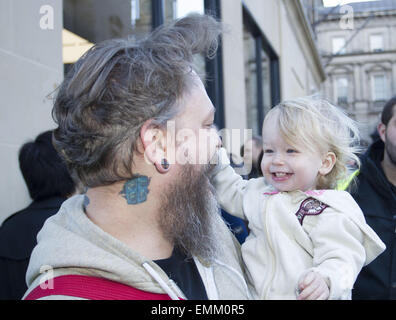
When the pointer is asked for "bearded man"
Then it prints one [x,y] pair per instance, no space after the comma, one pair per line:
[376,195]
[148,227]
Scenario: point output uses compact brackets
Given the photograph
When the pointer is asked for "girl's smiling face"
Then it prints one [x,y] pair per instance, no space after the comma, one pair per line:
[286,167]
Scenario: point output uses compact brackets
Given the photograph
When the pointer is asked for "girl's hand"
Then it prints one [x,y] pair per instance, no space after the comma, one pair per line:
[313,287]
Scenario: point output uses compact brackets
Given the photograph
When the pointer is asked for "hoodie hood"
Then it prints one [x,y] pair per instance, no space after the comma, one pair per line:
[69,240]
[70,243]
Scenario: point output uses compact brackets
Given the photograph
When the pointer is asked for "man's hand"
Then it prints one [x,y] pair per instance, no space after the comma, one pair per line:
[313,287]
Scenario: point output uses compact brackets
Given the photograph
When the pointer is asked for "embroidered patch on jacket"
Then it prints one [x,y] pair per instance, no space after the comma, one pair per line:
[310,207]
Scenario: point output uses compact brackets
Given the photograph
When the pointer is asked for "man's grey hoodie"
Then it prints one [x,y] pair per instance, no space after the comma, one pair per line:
[71,244]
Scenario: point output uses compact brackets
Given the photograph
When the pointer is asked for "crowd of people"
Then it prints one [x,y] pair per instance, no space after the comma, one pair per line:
[121,212]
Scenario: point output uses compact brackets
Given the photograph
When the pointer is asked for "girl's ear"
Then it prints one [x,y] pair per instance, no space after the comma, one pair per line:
[328,163]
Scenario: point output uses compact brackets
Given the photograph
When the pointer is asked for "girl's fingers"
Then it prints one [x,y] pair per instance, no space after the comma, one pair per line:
[321,291]
[316,290]
[309,290]
[304,282]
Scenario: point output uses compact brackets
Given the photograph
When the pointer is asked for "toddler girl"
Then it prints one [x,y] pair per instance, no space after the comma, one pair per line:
[307,240]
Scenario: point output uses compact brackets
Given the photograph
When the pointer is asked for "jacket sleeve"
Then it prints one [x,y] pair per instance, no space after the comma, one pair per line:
[230,187]
[339,253]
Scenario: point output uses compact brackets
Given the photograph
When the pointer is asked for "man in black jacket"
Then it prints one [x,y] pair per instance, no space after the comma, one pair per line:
[49,184]
[376,195]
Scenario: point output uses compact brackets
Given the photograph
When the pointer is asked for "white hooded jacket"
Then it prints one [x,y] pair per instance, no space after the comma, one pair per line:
[71,244]
[336,242]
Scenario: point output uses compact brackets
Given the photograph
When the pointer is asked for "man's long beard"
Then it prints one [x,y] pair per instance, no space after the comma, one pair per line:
[188,209]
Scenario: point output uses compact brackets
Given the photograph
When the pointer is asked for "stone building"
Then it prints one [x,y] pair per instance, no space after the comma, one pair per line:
[269,54]
[358,47]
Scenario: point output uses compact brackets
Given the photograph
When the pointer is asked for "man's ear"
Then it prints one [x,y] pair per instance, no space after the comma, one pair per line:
[152,143]
[328,163]
[381,128]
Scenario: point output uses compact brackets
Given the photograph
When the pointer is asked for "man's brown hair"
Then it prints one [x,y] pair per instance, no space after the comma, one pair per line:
[117,86]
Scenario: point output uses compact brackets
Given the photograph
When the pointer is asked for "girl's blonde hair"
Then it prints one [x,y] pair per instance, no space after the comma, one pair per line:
[313,124]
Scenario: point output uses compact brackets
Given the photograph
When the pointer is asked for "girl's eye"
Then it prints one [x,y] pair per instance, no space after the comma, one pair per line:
[291,151]
[209,126]
[268,151]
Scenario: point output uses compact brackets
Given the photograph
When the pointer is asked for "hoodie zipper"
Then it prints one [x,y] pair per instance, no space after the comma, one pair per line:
[208,280]
[233,270]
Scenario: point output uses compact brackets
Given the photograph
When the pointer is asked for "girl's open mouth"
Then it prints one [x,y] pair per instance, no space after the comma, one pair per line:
[281,176]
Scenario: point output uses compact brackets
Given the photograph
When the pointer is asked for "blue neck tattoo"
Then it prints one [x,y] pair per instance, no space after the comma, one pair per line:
[135,190]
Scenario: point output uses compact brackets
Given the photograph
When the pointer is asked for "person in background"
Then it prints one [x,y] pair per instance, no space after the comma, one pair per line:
[376,195]
[252,153]
[49,184]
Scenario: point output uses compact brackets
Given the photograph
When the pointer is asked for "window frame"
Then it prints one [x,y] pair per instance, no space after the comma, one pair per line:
[341,50]
[373,91]
[262,44]
[213,67]
[370,42]
[336,91]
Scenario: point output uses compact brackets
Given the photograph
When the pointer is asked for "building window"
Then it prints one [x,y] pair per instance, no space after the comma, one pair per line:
[212,68]
[266,80]
[376,43]
[251,82]
[141,17]
[379,86]
[262,85]
[99,20]
[175,9]
[89,22]
[338,45]
[342,90]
